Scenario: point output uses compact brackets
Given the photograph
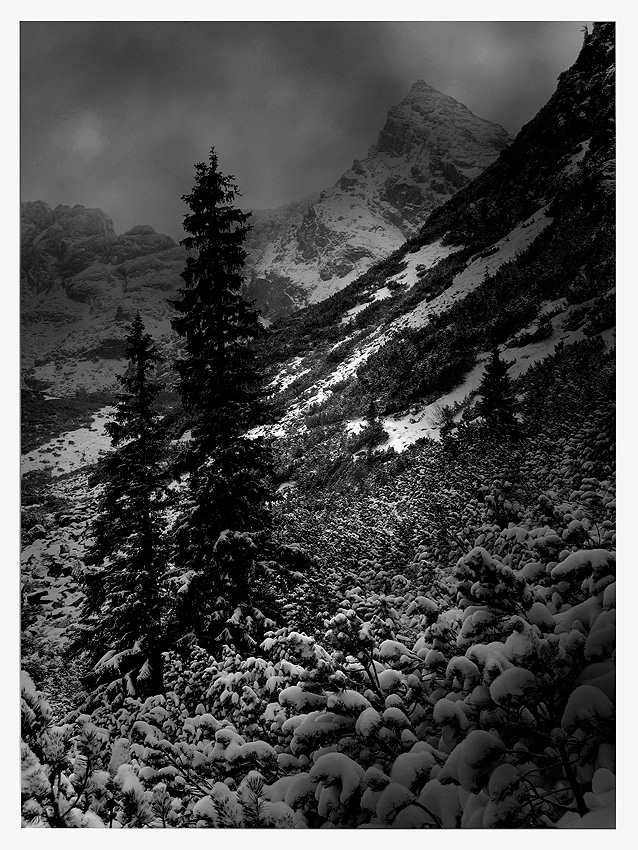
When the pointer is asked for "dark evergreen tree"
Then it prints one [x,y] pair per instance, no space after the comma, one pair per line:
[219,380]
[498,404]
[447,428]
[121,623]
[220,550]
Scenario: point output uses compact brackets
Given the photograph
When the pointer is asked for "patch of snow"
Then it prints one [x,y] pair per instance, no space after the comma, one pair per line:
[572,165]
[290,379]
[552,306]
[270,431]
[287,375]
[354,426]
[73,450]
[322,389]
[379,295]
[426,257]
[474,273]
[405,430]
[350,314]
[526,355]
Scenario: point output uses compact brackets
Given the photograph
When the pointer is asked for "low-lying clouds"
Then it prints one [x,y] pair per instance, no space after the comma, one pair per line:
[115,114]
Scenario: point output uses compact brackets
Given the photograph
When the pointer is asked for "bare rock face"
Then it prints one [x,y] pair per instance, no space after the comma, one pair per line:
[35,217]
[138,242]
[81,286]
[429,147]
[77,237]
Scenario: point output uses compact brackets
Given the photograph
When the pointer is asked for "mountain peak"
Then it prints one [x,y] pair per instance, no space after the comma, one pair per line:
[429,119]
[421,91]
[429,147]
[421,85]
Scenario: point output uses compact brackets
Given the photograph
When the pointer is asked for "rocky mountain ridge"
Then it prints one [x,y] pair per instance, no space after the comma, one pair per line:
[429,147]
[81,283]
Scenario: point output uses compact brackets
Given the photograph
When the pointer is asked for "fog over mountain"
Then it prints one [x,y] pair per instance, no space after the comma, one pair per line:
[114,114]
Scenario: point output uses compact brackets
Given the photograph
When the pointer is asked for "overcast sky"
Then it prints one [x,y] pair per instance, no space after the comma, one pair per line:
[115,114]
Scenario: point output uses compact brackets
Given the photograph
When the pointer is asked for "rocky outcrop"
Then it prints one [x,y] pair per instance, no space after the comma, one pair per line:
[139,241]
[69,240]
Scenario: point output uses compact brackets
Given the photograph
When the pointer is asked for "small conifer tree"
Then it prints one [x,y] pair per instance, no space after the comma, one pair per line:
[121,622]
[498,404]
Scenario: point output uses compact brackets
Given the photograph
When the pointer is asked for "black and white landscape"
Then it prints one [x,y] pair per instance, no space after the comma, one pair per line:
[318,501]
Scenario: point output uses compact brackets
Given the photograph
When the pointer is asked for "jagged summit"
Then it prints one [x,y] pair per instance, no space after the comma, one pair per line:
[429,147]
[422,90]
[428,116]
[426,100]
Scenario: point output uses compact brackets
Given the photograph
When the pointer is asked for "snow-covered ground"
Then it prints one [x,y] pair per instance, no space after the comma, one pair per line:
[73,450]
[287,374]
[425,258]
[52,563]
[403,432]
[379,295]
[572,165]
[474,273]
[323,389]
[424,422]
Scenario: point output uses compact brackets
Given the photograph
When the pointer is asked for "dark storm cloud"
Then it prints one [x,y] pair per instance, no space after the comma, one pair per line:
[115,114]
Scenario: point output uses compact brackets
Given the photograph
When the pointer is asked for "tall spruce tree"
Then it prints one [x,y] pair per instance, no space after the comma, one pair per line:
[219,381]
[498,404]
[121,625]
[220,550]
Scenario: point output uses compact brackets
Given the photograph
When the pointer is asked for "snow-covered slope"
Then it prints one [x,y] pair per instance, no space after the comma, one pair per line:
[73,450]
[521,259]
[430,146]
[423,420]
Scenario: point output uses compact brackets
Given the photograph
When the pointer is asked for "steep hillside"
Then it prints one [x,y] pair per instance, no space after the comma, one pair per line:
[521,259]
[430,147]
[450,663]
